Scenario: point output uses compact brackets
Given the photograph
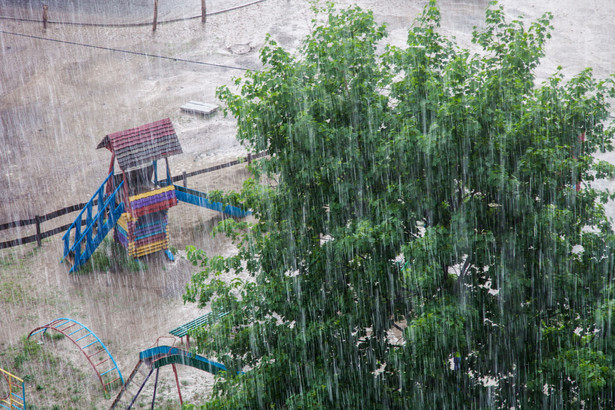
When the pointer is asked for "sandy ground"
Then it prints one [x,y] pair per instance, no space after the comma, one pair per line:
[57,101]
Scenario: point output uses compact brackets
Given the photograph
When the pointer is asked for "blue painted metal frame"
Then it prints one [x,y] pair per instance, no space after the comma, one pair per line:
[55,324]
[103,226]
[168,350]
[198,198]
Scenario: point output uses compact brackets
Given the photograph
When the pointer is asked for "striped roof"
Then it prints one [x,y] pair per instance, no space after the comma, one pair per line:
[142,145]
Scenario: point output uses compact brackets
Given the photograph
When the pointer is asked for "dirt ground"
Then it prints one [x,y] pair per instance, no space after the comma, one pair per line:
[58,100]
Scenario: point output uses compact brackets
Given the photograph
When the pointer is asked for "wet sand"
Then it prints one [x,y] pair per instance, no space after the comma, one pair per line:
[58,100]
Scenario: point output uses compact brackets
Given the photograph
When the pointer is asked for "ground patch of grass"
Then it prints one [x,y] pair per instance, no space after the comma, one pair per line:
[15,257]
[51,381]
[111,257]
[16,291]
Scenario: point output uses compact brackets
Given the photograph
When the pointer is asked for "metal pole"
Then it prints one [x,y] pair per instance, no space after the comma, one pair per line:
[179,391]
[155,387]
[155,15]
[45,16]
[141,388]
[185,180]
[203,11]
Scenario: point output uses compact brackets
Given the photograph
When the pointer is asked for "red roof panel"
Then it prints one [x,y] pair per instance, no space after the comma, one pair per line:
[143,144]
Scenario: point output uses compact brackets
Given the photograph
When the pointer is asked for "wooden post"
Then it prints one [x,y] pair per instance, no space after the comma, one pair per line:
[166,161]
[45,16]
[249,158]
[155,15]
[203,11]
[185,180]
[38,230]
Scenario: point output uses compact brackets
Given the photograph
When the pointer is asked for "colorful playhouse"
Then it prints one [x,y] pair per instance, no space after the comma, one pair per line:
[132,199]
[142,228]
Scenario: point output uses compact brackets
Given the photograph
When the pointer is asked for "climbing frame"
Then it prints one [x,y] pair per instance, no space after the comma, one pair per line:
[15,394]
[90,345]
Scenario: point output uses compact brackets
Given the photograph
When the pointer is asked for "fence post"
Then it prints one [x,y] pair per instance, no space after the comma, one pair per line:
[45,16]
[155,15]
[203,11]
[185,180]
[249,158]
[38,229]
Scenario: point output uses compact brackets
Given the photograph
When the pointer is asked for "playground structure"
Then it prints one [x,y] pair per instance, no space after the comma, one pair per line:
[91,346]
[183,330]
[133,200]
[106,368]
[153,359]
[15,394]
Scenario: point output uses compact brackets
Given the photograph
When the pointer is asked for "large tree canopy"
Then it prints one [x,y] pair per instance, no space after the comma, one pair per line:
[428,192]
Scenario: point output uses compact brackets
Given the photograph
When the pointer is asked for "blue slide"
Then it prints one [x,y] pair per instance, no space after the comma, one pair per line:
[198,198]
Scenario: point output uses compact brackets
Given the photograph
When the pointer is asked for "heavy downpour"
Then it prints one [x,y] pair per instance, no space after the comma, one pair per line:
[303,204]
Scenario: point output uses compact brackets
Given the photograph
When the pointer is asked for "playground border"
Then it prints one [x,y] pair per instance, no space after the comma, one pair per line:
[38,220]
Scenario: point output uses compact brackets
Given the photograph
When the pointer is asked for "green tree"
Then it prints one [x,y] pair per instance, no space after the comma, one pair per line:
[427,191]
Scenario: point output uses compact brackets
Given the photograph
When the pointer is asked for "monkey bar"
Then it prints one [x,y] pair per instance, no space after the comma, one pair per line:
[90,345]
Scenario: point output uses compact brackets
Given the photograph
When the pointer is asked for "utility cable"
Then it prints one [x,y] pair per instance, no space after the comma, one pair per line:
[117,50]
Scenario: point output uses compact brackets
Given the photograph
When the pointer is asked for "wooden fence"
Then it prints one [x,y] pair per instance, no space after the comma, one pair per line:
[38,220]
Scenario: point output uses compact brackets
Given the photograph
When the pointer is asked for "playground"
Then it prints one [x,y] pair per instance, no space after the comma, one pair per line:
[58,102]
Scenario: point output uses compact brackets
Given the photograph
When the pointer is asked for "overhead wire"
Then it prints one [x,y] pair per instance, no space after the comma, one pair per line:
[74,43]
[118,50]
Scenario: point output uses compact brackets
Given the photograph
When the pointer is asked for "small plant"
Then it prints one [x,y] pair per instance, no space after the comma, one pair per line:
[7,260]
[53,336]
[30,350]
[28,378]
